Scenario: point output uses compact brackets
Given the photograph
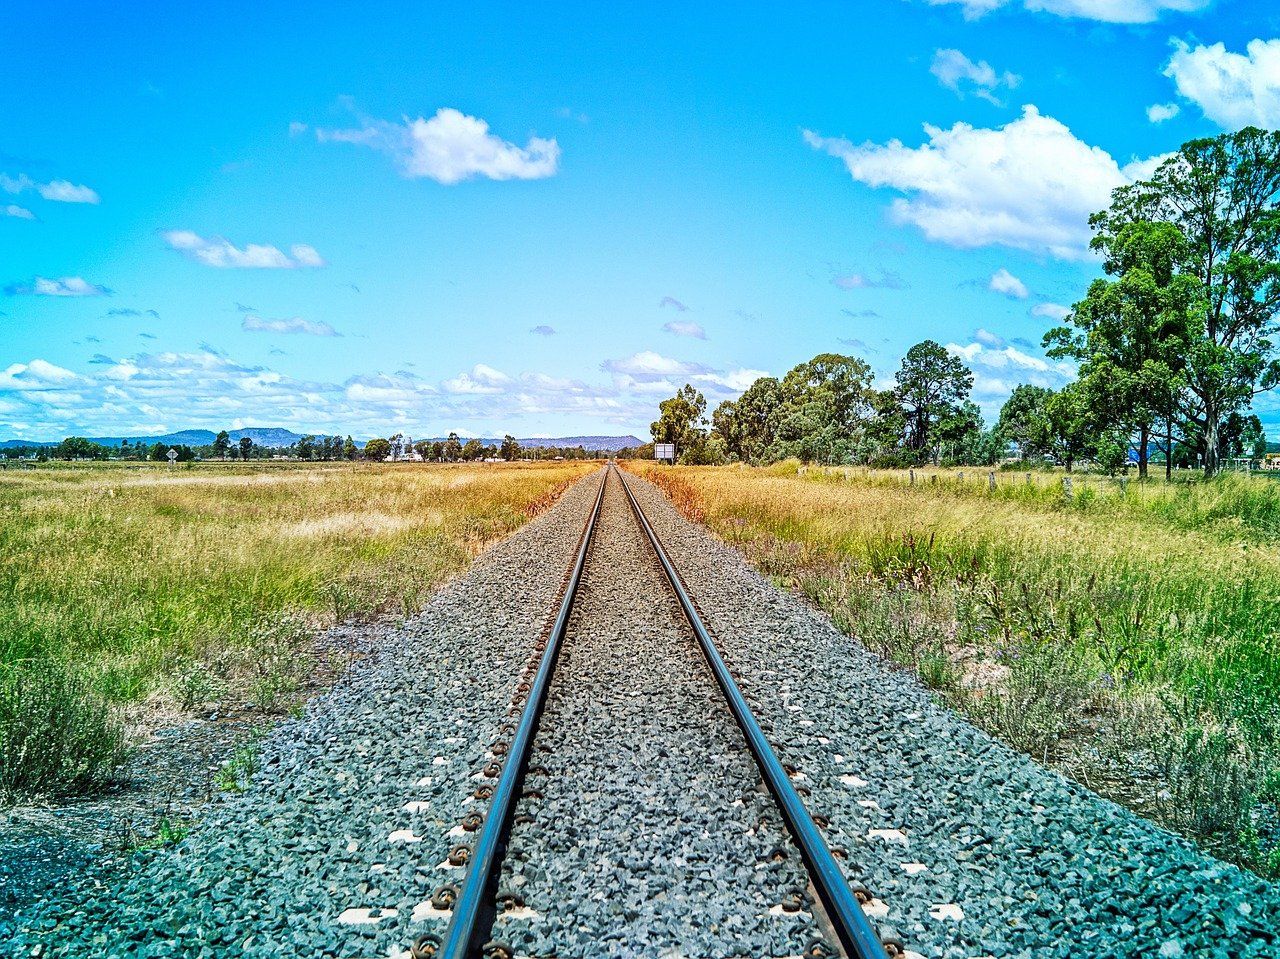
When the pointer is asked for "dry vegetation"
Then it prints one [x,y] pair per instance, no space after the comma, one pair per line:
[122,584]
[1131,641]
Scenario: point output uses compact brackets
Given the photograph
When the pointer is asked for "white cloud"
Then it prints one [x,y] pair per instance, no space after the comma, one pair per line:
[672,302]
[61,191]
[17,212]
[481,379]
[987,338]
[1107,11]
[217,252]
[66,286]
[682,328]
[997,370]
[452,147]
[953,69]
[1030,184]
[543,330]
[297,128]
[1054,311]
[64,191]
[1160,112]
[1002,281]
[305,255]
[1234,90]
[36,376]
[256,324]
[648,364]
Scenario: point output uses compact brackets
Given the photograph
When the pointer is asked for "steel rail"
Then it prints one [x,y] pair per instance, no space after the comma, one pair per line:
[476,900]
[849,922]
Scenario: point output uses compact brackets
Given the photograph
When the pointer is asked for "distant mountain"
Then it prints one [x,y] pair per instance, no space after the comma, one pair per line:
[10,444]
[586,442]
[271,436]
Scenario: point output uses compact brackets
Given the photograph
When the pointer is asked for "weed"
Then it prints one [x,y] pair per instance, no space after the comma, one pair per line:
[57,736]
[237,771]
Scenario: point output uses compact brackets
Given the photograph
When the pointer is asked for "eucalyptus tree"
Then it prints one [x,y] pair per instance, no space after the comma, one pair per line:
[1221,194]
[932,386]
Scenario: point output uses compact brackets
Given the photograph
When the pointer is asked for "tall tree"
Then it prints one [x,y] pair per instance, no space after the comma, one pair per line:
[1221,194]
[510,448]
[376,450]
[221,443]
[246,447]
[349,448]
[932,385]
[1131,335]
[826,406]
[452,448]
[1024,421]
[681,421]
[473,449]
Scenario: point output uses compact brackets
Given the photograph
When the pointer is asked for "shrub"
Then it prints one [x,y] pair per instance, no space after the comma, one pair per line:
[57,737]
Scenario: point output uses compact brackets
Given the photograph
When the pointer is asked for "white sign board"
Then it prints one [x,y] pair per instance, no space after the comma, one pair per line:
[664,451]
[172,454]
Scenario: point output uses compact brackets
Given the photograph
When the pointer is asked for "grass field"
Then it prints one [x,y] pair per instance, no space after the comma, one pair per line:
[123,583]
[1132,641]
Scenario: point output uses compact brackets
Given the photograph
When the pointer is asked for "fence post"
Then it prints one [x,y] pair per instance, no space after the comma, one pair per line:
[991,479]
[934,479]
[960,477]
[1124,486]
[1066,487]
[911,477]
[1028,479]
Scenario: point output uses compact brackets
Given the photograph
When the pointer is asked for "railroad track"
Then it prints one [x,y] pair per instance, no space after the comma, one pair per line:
[479,900]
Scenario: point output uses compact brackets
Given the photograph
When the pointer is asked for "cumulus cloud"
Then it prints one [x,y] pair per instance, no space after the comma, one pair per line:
[34,377]
[987,338]
[60,191]
[1030,184]
[1159,112]
[672,302]
[296,324]
[64,191]
[451,147]
[1002,281]
[997,369]
[957,72]
[1053,311]
[217,252]
[543,330]
[66,286]
[1232,89]
[1106,11]
[681,328]
[481,379]
[860,281]
[18,212]
[652,374]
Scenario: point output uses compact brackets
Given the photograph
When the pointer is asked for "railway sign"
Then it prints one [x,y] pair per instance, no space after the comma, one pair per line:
[664,451]
[173,456]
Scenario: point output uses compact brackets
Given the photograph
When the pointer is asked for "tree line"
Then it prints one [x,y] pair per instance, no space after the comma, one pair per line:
[1171,346]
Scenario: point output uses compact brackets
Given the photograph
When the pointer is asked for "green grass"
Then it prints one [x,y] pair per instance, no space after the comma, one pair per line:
[1131,640]
[181,586]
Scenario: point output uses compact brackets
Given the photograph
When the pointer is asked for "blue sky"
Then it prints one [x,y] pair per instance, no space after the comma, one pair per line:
[544,218]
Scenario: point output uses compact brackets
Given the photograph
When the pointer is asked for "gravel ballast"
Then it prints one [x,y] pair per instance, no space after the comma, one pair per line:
[971,849]
[653,834]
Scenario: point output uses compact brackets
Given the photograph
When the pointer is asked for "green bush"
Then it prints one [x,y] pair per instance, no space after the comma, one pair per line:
[57,737]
